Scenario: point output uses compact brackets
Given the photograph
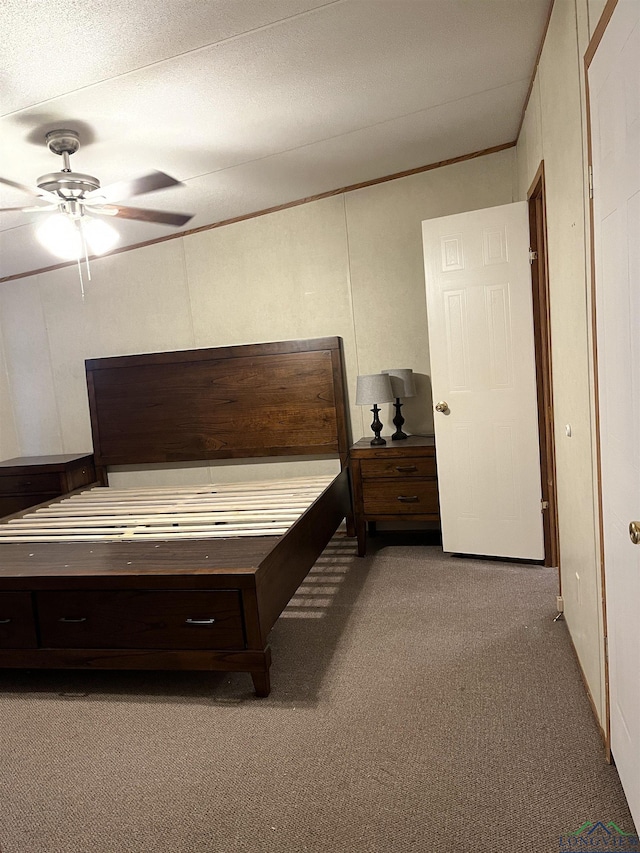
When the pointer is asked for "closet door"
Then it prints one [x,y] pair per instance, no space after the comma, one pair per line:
[614,92]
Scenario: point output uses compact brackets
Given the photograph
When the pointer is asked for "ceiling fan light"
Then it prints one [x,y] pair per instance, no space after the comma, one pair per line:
[60,236]
[100,236]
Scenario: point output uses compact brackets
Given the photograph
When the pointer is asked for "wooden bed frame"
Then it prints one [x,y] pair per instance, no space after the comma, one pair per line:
[200,604]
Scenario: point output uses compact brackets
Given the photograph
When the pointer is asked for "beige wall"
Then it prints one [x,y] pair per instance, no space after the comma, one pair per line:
[593,11]
[8,435]
[350,265]
[554,130]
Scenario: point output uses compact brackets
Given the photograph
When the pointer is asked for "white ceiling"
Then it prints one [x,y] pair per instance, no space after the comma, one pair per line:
[252,103]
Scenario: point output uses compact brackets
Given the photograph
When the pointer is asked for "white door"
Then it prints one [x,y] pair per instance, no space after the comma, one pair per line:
[480,317]
[614,88]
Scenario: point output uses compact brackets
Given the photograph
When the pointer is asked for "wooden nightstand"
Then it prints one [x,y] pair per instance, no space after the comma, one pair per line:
[396,481]
[29,480]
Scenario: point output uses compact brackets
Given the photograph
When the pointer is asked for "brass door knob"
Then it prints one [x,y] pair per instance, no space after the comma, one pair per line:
[442,406]
[634,532]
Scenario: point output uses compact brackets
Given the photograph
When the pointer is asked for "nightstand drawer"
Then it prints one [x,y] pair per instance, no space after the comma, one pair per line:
[27,484]
[398,468]
[400,497]
[141,619]
[17,625]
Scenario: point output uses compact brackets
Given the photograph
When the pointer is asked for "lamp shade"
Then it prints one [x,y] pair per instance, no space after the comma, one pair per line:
[373,388]
[402,383]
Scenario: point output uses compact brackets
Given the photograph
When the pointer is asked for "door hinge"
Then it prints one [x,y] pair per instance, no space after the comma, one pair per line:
[533,256]
[590,181]
[544,505]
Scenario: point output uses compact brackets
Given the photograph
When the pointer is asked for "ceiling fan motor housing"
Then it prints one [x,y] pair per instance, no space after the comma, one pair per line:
[68,184]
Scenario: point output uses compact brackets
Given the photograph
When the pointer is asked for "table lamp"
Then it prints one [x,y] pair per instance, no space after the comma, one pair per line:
[373,389]
[402,385]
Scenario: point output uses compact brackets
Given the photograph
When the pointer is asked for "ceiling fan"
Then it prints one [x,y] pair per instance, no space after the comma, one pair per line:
[75,200]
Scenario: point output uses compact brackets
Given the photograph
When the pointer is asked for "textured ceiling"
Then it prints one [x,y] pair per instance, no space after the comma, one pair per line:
[252,103]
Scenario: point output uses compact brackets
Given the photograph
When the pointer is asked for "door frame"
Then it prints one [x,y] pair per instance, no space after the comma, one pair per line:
[542,339]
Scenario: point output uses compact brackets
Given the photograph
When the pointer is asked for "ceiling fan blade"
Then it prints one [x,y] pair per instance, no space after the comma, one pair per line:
[33,209]
[143,214]
[38,193]
[137,186]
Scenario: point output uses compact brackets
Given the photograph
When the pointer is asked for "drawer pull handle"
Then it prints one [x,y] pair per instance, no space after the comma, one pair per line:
[4,621]
[200,621]
[408,499]
[72,619]
[402,468]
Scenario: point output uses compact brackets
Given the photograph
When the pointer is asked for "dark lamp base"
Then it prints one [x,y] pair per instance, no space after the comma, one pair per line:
[397,422]
[376,426]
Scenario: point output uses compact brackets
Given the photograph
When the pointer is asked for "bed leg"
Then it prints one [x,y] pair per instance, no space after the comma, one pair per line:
[261,683]
[351,525]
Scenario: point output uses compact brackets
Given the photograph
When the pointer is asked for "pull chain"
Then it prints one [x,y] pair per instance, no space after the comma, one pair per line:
[86,257]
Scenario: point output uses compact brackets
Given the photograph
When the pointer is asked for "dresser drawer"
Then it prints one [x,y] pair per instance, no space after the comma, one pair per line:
[27,484]
[400,497]
[17,625]
[424,466]
[140,619]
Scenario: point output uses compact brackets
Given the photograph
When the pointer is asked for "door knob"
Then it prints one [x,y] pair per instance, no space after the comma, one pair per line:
[634,532]
[442,406]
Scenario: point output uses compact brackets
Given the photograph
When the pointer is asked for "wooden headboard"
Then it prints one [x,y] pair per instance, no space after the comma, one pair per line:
[257,400]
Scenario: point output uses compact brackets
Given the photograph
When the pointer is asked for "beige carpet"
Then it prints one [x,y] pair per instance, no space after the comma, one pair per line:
[420,702]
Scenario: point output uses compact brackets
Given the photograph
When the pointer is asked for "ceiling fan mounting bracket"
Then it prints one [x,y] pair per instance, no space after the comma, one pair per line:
[63,141]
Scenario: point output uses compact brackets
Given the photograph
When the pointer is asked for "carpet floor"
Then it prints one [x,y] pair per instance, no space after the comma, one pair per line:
[420,702]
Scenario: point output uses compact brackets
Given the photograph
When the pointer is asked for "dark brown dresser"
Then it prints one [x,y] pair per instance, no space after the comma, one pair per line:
[29,480]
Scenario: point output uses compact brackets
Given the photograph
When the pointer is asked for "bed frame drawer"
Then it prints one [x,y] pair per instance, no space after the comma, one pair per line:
[17,625]
[140,619]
